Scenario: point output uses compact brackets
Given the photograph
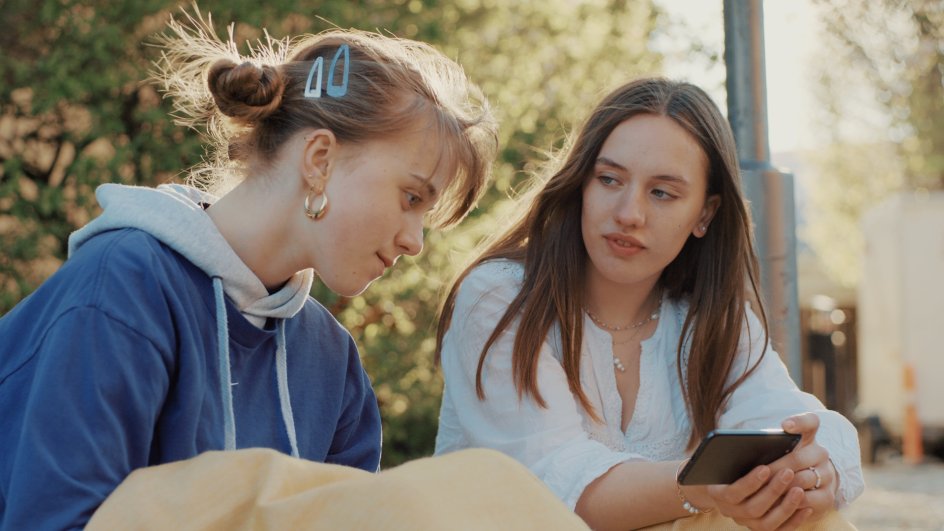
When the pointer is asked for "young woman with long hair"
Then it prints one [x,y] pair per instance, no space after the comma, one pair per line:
[618,321]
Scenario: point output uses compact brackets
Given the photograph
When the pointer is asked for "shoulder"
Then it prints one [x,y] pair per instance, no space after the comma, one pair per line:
[136,280]
[124,241]
[131,267]
[114,271]
[498,280]
[120,288]
[497,270]
[129,253]
[675,312]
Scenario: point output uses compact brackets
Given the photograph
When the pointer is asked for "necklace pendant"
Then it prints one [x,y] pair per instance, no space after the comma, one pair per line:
[618,364]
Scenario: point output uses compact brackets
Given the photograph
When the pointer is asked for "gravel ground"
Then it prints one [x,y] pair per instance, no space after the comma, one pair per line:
[900,496]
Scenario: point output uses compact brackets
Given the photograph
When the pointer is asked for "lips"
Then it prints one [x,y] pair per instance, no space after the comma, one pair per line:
[623,245]
[386,261]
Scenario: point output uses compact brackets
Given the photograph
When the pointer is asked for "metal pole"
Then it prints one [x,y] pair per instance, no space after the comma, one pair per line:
[769,191]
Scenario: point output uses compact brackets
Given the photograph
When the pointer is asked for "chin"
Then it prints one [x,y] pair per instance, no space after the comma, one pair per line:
[620,273]
[347,289]
[351,291]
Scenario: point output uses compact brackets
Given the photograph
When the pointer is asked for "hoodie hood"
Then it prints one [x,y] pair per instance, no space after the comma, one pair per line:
[174,214]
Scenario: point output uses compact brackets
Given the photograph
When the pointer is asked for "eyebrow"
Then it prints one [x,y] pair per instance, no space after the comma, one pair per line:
[608,162]
[613,164]
[425,180]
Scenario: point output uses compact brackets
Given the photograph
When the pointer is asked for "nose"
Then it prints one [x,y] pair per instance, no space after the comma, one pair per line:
[630,211]
[410,238]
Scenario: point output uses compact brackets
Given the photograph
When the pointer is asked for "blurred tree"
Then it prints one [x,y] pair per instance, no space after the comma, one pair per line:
[74,114]
[882,83]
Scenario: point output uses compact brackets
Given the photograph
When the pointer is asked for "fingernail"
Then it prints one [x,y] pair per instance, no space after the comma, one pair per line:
[763,473]
[789,425]
[786,476]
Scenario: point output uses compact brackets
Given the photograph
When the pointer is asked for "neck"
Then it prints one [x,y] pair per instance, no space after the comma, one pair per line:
[250,219]
[619,304]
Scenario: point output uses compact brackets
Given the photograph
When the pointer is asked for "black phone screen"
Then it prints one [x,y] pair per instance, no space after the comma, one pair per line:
[724,456]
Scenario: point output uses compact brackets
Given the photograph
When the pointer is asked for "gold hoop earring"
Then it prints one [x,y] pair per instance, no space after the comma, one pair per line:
[322,210]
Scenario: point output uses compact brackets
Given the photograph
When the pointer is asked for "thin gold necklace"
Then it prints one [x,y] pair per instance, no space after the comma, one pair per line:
[652,317]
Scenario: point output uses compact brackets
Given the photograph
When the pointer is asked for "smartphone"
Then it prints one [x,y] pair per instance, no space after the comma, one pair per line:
[724,456]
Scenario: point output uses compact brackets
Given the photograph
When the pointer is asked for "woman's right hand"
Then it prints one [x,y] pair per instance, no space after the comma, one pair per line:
[762,500]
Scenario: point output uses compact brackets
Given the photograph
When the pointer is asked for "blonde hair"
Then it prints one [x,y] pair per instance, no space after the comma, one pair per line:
[248,106]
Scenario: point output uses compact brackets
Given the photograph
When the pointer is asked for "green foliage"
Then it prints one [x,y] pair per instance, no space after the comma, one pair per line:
[74,114]
[882,80]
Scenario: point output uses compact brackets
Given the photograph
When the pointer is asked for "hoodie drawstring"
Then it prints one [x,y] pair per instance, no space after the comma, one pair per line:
[281,375]
[281,371]
[226,390]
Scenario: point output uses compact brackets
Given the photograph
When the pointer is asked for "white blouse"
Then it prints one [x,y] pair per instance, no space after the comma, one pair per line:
[561,444]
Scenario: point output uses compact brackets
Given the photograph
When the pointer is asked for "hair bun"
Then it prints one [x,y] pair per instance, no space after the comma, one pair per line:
[246,92]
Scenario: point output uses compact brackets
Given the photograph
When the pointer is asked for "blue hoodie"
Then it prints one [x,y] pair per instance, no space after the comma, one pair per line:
[154,343]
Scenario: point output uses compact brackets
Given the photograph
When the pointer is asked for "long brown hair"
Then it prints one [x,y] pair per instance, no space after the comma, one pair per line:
[717,274]
[249,106]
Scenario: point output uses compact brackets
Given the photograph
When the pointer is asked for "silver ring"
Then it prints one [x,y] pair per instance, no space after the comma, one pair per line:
[819,479]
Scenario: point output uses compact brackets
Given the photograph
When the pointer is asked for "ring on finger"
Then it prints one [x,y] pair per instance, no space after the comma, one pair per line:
[819,478]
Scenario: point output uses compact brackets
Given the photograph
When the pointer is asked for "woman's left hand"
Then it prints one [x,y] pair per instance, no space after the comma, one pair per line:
[813,471]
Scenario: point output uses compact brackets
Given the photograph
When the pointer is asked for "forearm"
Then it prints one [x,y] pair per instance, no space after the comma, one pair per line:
[636,494]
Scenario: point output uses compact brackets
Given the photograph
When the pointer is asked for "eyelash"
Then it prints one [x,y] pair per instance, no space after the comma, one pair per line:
[665,195]
[609,180]
[413,199]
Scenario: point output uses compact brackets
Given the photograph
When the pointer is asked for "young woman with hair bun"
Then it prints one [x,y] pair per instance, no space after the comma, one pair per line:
[182,323]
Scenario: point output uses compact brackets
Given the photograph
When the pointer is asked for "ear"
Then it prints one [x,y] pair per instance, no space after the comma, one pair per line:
[319,151]
[712,202]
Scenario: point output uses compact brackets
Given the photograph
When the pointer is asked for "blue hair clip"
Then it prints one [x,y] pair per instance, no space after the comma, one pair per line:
[333,90]
[318,65]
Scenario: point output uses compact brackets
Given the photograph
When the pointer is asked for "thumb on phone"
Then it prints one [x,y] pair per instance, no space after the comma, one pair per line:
[804,424]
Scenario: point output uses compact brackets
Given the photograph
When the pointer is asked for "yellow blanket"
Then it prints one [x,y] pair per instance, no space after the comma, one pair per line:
[261,489]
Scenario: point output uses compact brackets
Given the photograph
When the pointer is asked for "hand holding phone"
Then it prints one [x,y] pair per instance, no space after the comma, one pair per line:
[724,456]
